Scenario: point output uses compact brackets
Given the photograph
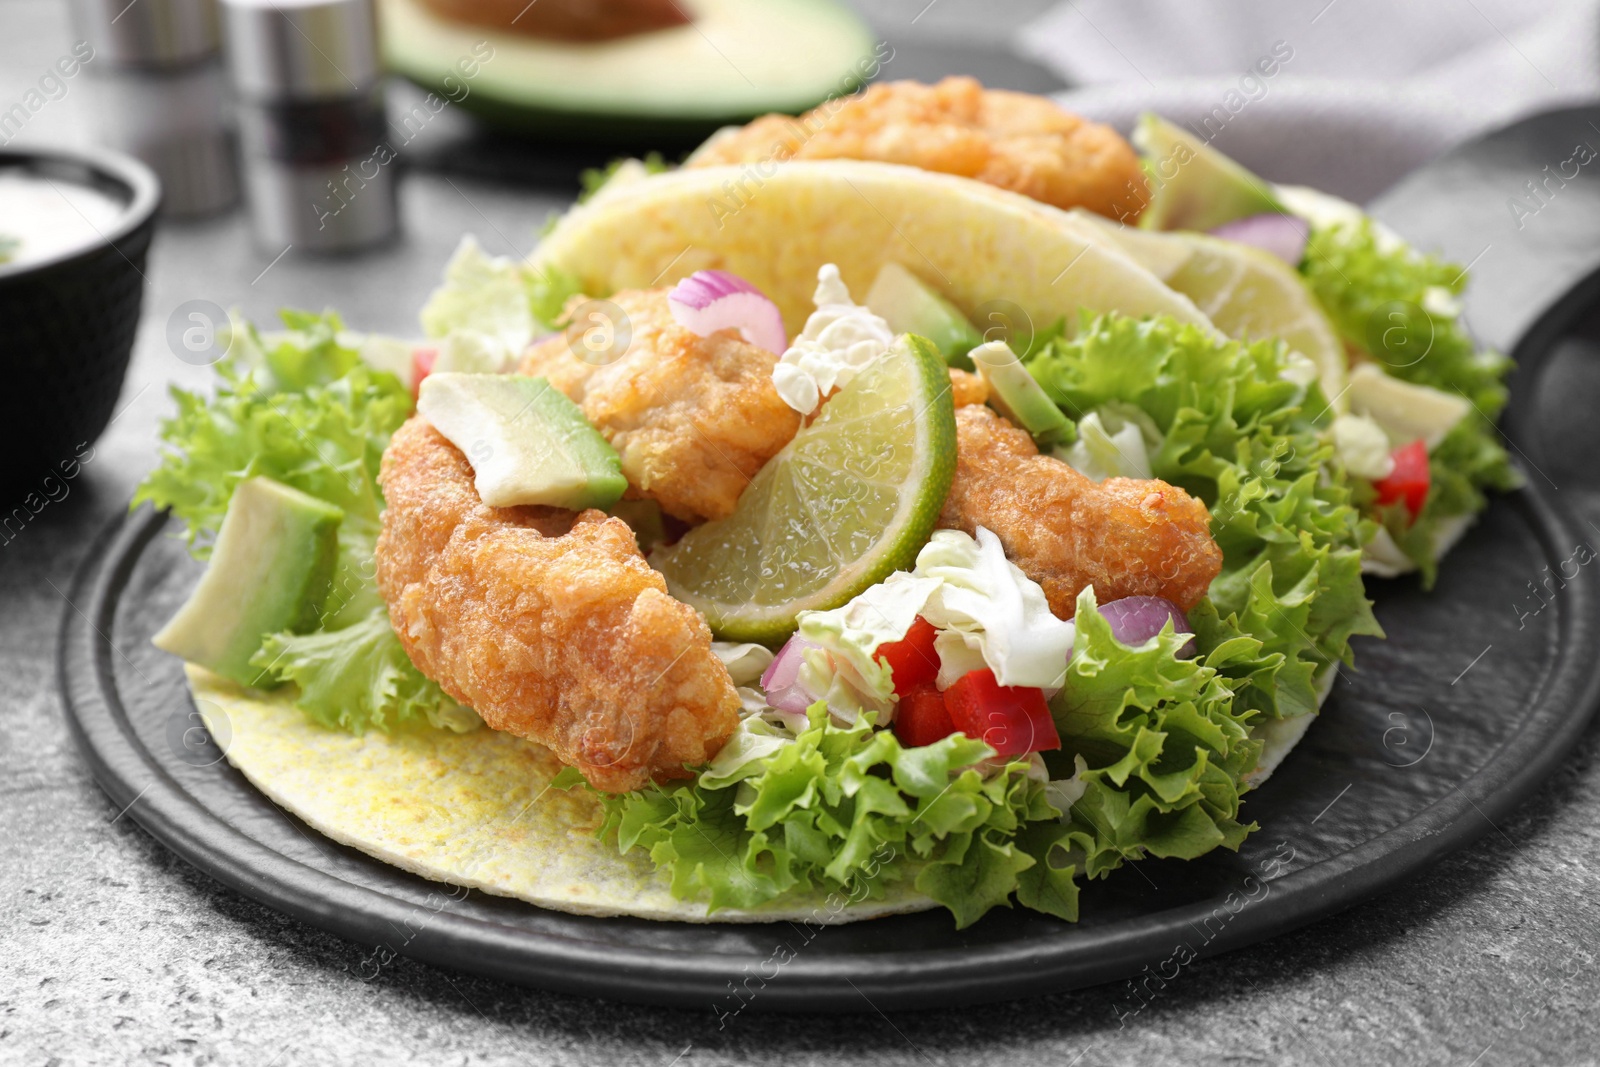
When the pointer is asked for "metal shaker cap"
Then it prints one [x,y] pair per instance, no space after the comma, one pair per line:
[150,33]
[301,49]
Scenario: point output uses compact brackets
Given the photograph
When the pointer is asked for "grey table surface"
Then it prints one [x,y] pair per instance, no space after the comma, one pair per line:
[113,950]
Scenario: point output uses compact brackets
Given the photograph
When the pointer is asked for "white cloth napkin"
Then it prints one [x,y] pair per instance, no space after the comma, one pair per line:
[1404,81]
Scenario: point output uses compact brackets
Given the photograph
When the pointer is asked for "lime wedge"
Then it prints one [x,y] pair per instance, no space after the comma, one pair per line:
[849,501]
[1194,186]
[1247,293]
[1250,295]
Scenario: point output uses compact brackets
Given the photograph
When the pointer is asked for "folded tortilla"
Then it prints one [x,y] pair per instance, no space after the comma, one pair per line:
[471,809]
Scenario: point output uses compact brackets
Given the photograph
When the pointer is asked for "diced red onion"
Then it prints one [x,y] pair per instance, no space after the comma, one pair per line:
[1283,235]
[711,300]
[781,679]
[1136,619]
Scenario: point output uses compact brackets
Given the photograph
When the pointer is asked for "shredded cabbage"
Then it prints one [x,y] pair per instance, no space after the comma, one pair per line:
[988,612]
[1362,447]
[488,308]
[999,611]
[1107,446]
[842,670]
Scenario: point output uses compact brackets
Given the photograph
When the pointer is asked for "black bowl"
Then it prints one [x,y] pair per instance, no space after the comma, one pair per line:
[69,322]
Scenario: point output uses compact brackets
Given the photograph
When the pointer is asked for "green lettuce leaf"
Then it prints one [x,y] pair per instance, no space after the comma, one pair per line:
[306,412]
[596,178]
[1398,305]
[549,287]
[1165,746]
[359,678]
[481,293]
[1391,302]
[1243,433]
[497,298]
[312,351]
[838,809]
[324,436]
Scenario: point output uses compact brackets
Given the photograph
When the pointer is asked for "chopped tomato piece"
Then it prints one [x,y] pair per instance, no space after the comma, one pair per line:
[1409,480]
[922,717]
[1013,720]
[911,659]
[422,358]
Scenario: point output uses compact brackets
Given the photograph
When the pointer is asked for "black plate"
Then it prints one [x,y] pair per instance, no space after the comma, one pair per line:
[1476,696]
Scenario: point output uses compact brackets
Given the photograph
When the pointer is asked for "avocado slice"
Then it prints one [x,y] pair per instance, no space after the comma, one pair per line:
[1018,397]
[734,61]
[910,305]
[271,569]
[527,443]
[1194,186]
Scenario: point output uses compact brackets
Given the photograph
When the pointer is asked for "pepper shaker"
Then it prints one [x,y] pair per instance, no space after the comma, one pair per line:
[318,168]
[161,95]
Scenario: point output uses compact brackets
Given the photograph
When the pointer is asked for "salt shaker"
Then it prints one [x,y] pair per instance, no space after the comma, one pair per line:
[318,168]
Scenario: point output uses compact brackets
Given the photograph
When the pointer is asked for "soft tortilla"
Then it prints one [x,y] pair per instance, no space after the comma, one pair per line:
[992,253]
[469,809]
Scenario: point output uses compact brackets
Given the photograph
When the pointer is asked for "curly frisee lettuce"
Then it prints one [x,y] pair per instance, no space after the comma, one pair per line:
[779,813]
[1240,426]
[1155,748]
[303,409]
[1399,307]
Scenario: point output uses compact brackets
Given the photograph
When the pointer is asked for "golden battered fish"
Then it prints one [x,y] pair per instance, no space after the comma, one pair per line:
[550,624]
[1124,536]
[967,387]
[1016,141]
[692,417]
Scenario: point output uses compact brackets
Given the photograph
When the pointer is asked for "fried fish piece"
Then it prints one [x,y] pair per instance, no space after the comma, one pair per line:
[1016,141]
[1124,536]
[967,387]
[692,417]
[549,623]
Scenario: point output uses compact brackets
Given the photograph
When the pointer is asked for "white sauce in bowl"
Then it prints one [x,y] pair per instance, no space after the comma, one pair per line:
[41,218]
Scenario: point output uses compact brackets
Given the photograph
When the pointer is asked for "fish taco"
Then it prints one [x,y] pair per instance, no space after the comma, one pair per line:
[802,537]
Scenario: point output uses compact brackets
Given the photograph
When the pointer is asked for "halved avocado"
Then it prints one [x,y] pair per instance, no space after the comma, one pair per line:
[736,59]
[271,569]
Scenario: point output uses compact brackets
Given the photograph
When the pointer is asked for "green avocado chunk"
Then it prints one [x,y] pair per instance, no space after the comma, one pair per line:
[527,443]
[1192,185]
[910,305]
[271,569]
[1016,395]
